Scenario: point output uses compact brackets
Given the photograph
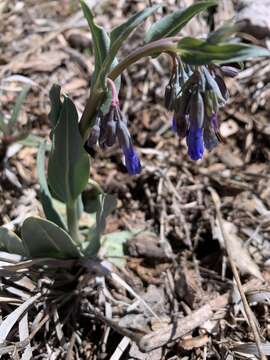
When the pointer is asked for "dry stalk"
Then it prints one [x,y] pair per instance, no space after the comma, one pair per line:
[247,309]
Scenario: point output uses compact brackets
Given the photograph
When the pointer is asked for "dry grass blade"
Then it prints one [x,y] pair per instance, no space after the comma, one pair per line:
[7,349]
[24,335]
[239,252]
[120,348]
[9,300]
[251,348]
[58,327]
[12,318]
[258,296]
[247,309]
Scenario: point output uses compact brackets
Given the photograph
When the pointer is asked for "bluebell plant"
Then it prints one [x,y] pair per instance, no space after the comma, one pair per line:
[195,92]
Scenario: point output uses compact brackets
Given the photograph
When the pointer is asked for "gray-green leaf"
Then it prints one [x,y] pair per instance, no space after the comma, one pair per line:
[43,238]
[68,169]
[171,24]
[17,107]
[200,52]
[121,33]
[101,40]
[10,242]
[56,105]
[112,246]
[45,195]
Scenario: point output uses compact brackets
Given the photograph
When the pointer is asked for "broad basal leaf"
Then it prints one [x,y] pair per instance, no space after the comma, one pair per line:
[45,195]
[43,238]
[68,169]
[171,24]
[11,243]
[200,52]
[56,105]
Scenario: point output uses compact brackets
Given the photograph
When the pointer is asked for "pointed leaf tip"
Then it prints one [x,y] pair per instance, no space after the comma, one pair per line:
[171,24]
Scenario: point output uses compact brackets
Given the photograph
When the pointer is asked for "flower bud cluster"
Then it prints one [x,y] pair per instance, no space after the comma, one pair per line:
[111,128]
[195,94]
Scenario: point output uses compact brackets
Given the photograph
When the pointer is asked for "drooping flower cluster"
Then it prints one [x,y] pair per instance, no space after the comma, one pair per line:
[195,95]
[110,128]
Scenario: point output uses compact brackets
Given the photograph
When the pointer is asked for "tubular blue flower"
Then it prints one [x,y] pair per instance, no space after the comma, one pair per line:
[132,160]
[174,125]
[195,143]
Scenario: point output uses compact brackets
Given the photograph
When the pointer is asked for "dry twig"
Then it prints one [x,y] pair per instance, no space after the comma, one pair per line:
[247,308]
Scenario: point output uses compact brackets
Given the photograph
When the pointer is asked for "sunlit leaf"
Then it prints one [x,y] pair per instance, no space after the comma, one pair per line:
[171,24]
[43,238]
[199,52]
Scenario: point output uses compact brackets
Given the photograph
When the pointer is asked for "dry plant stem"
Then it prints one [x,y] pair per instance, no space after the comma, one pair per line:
[247,309]
[183,326]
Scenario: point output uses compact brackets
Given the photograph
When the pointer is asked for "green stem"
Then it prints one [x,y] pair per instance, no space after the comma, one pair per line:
[98,92]
[168,45]
[72,221]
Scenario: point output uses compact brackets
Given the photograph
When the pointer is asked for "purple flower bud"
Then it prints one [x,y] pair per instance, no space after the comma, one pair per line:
[211,84]
[196,112]
[210,139]
[132,160]
[174,125]
[222,86]
[110,133]
[180,124]
[168,97]
[229,71]
[195,143]
[94,135]
[123,135]
[214,121]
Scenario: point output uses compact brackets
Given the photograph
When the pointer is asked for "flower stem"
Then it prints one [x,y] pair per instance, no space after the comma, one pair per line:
[72,221]
[168,45]
[98,92]
[115,100]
